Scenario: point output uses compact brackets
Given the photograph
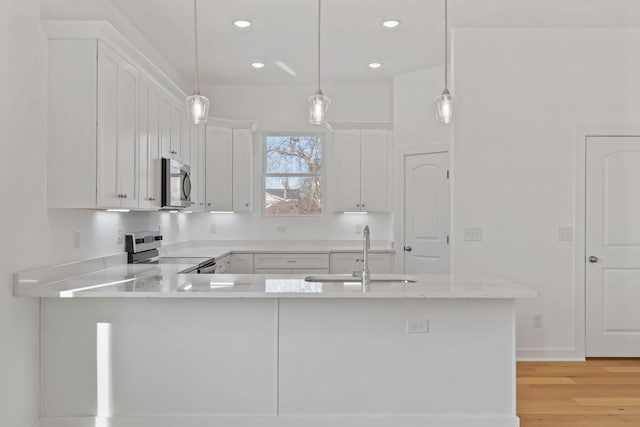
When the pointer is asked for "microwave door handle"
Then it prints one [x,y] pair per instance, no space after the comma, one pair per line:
[186,186]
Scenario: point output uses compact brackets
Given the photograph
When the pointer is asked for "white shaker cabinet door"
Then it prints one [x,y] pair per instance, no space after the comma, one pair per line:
[242,167]
[150,99]
[219,169]
[165,126]
[128,135]
[117,130]
[375,177]
[346,148]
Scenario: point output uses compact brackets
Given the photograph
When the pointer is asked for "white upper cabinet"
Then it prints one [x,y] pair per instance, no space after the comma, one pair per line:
[228,169]
[242,167]
[117,137]
[219,169]
[175,129]
[150,102]
[197,168]
[362,171]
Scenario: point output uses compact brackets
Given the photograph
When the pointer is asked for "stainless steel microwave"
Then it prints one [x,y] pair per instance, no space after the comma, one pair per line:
[176,184]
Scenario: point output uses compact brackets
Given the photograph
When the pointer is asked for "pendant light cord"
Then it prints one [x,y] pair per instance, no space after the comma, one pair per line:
[446,45]
[195,19]
[319,24]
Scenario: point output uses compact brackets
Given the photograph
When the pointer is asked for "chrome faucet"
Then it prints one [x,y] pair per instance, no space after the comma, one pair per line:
[366,245]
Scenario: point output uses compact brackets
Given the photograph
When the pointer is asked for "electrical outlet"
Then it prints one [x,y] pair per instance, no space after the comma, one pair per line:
[281,228]
[76,239]
[120,238]
[473,234]
[538,321]
[418,326]
[565,234]
[212,229]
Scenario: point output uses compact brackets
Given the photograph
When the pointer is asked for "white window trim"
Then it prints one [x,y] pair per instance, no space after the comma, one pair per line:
[323,151]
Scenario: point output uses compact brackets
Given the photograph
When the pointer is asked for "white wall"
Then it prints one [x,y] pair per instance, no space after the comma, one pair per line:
[104,10]
[522,93]
[281,107]
[414,108]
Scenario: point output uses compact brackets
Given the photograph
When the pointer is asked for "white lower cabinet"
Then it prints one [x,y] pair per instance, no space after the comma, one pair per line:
[223,265]
[285,262]
[349,262]
[291,271]
[241,264]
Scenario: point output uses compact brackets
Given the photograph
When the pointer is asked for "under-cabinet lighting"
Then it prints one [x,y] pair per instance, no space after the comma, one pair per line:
[221,212]
[390,23]
[375,65]
[188,287]
[356,213]
[187,211]
[257,65]
[242,23]
[174,212]
[118,210]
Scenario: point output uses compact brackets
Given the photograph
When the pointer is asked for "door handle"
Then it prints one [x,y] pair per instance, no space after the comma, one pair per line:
[408,248]
[593,259]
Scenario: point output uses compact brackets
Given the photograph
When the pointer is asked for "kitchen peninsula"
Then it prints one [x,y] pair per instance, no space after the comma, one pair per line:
[142,345]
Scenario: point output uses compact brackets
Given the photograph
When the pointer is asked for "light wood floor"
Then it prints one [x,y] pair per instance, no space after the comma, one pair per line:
[595,393]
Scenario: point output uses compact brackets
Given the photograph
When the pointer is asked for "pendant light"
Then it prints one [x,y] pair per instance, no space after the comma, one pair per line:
[319,102]
[444,102]
[197,105]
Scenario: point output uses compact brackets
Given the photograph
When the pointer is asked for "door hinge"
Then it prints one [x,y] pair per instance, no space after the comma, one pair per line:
[447,174]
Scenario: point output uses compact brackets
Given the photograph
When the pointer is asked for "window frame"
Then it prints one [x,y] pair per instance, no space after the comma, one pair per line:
[321,175]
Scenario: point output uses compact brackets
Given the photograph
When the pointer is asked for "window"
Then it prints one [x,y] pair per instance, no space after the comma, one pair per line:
[293,175]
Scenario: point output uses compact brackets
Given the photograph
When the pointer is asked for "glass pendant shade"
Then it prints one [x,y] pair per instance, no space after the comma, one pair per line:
[198,108]
[318,108]
[444,107]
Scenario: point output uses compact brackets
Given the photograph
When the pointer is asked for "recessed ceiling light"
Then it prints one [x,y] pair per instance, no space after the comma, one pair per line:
[390,23]
[257,64]
[375,65]
[242,23]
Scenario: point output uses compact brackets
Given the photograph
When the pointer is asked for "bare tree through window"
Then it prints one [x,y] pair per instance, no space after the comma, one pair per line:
[293,175]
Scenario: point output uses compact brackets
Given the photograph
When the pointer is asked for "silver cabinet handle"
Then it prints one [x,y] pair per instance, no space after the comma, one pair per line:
[593,259]
[408,248]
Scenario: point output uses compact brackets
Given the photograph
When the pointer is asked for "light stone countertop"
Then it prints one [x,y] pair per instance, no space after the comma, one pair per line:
[109,277]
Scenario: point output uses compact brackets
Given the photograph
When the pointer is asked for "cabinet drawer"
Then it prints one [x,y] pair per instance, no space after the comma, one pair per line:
[347,263]
[291,261]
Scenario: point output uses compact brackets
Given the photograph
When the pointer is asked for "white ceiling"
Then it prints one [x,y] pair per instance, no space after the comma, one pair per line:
[284,31]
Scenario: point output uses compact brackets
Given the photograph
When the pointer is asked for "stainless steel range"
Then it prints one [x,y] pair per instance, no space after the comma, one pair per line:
[142,247]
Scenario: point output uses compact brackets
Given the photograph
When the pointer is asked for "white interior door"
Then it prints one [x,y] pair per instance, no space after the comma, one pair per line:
[613,247]
[426,213]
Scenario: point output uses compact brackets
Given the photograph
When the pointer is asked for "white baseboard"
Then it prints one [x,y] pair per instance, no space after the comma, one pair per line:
[286,421]
[549,354]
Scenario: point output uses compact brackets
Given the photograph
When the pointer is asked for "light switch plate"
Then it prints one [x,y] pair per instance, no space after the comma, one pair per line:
[418,326]
[565,234]
[281,228]
[473,234]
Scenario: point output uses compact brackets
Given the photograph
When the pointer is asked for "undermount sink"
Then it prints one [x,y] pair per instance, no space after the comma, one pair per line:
[397,278]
